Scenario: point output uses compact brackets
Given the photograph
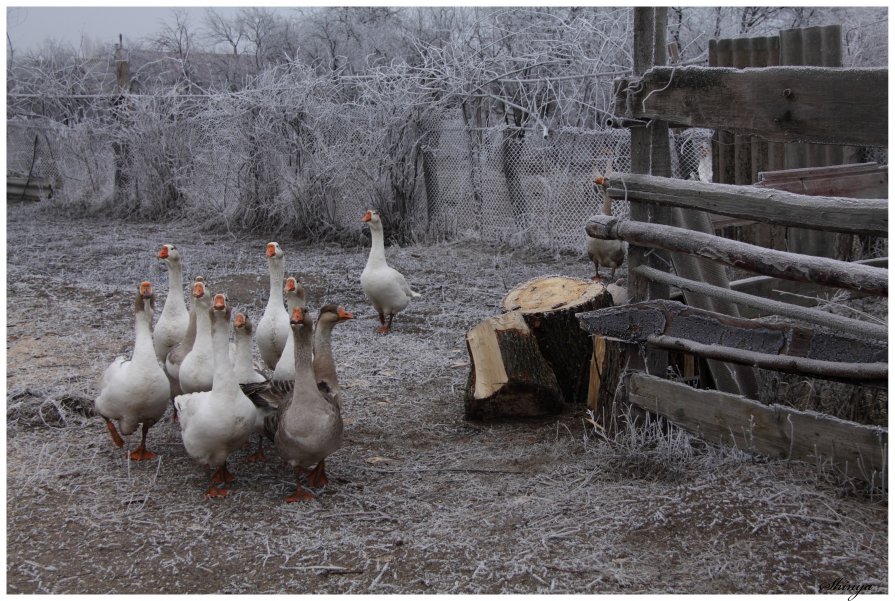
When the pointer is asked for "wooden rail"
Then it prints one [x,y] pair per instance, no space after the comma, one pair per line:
[815,316]
[778,346]
[850,215]
[785,104]
[772,430]
[790,266]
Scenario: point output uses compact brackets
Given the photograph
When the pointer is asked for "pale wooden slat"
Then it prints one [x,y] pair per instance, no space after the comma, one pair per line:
[786,104]
[771,430]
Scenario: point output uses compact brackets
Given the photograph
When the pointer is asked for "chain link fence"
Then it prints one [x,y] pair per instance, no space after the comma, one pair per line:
[244,168]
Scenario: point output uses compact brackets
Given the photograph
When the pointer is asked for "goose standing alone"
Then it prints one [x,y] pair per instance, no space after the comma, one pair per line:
[384,287]
[608,253]
[135,391]
[273,328]
[174,319]
[308,426]
[324,364]
[216,422]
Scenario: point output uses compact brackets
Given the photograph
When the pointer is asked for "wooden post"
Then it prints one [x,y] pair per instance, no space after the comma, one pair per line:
[650,153]
[121,150]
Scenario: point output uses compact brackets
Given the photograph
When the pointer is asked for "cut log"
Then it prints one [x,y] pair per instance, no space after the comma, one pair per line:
[548,305]
[509,376]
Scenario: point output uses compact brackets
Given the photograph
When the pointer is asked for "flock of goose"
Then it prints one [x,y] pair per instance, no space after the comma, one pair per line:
[220,397]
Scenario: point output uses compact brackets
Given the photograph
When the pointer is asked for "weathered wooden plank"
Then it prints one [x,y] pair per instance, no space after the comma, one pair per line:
[765,261]
[869,183]
[822,318]
[771,430]
[641,322]
[850,215]
[804,294]
[801,104]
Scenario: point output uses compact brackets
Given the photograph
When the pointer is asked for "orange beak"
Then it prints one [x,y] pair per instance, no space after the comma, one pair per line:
[368,216]
[297,315]
[198,289]
[145,289]
[599,180]
[219,302]
[240,320]
[163,253]
[343,314]
[271,249]
[290,285]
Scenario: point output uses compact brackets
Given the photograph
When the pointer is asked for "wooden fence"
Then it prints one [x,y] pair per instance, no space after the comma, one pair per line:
[777,104]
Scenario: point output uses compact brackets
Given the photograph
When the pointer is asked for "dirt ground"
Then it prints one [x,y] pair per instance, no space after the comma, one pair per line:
[421,501]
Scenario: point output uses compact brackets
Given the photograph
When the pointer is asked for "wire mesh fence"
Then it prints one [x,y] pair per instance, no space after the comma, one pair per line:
[236,163]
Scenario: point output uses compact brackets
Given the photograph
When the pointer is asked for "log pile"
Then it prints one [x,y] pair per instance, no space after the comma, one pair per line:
[534,359]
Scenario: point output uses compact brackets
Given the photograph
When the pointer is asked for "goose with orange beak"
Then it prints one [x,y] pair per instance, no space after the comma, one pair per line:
[136,390]
[174,319]
[273,328]
[384,287]
[324,364]
[308,426]
[216,422]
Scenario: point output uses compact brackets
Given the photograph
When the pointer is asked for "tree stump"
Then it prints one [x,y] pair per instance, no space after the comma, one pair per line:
[508,377]
[548,305]
[534,359]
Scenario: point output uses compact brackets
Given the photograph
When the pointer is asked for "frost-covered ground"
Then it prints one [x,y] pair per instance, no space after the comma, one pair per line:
[420,500]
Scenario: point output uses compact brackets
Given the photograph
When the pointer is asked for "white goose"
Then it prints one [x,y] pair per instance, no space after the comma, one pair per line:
[135,391]
[252,382]
[175,357]
[174,320]
[308,425]
[196,371]
[273,329]
[608,253]
[384,287]
[243,365]
[216,422]
[295,297]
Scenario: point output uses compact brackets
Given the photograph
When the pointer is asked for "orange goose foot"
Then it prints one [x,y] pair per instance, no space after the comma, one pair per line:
[141,453]
[213,491]
[116,437]
[300,495]
[222,476]
[317,476]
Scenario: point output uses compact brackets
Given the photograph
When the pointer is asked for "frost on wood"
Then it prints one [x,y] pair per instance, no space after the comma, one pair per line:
[534,358]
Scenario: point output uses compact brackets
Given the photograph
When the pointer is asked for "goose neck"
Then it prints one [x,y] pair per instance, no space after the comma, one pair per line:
[304,374]
[143,333]
[377,248]
[224,378]
[277,272]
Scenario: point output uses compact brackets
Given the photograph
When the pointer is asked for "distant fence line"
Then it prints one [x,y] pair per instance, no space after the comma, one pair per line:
[500,183]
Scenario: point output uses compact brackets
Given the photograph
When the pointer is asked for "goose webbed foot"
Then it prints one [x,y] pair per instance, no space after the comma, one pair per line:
[113,431]
[141,453]
[222,476]
[300,493]
[258,455]
[214,491]
[317,476]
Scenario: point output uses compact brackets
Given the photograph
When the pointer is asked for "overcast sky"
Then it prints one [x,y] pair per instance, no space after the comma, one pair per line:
[29,26]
